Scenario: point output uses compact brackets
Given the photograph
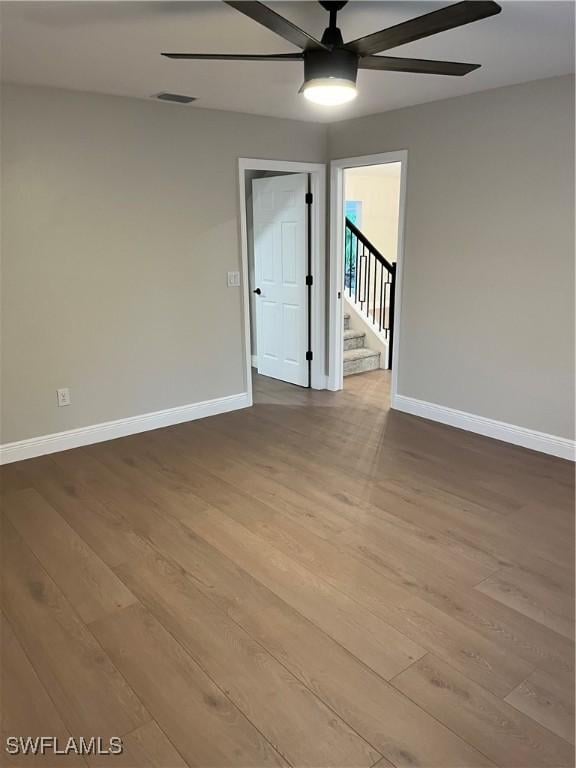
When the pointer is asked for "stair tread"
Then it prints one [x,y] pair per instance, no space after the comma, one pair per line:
[350,333]
[358,354]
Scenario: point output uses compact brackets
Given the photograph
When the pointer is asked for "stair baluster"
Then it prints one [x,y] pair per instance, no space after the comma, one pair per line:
[370,282]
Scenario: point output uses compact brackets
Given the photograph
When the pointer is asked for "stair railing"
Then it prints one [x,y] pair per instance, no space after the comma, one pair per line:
[370,282]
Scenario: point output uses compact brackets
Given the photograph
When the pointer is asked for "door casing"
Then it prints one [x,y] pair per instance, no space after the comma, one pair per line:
[335,308]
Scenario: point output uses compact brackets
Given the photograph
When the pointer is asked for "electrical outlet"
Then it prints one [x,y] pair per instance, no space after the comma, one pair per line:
[233,279]
[63,397]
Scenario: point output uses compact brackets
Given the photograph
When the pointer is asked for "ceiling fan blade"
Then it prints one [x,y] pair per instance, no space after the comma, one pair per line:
[276,23]
[236,56]
[424,66]
[452,16]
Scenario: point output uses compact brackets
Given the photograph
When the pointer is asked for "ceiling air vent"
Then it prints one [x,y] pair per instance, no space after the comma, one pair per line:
[176,97]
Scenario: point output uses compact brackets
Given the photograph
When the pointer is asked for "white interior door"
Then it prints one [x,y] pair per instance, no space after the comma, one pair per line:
[280,267]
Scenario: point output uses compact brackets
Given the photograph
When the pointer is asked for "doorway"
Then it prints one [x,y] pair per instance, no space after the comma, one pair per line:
[282,210]
[368,202]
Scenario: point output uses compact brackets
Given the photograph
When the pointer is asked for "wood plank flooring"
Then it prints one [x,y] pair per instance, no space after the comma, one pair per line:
[317,581]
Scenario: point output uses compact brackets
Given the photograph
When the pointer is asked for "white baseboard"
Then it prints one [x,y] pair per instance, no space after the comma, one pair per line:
[97,433]
[499,430]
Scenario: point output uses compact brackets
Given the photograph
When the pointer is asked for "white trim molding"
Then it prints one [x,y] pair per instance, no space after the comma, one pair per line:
[562,447]
[335,303]
[110,430]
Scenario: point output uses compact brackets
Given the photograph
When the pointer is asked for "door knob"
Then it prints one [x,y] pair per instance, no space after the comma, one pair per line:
[257,291]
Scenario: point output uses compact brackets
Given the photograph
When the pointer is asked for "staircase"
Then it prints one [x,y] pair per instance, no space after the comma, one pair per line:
[369,288]
[357,357]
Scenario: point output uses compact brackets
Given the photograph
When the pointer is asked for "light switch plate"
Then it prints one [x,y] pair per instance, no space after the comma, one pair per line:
[233,279]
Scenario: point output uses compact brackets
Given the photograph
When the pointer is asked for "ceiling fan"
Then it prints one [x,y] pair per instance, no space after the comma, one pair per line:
[331,66]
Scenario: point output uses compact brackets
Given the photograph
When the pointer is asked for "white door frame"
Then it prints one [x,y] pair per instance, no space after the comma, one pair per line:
[317,173]
[336,319]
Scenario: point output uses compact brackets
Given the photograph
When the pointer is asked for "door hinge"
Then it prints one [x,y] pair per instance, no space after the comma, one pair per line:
[309,198]
[309,355]
[309,280]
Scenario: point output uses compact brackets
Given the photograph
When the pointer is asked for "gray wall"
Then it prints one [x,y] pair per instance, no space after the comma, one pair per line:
[120,221]
[488,300]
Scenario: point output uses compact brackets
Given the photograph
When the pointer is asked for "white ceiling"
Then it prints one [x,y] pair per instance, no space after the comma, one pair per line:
[382,170]
[114,47]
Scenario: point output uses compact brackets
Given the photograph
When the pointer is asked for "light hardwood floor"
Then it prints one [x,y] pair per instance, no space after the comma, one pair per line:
[316,581]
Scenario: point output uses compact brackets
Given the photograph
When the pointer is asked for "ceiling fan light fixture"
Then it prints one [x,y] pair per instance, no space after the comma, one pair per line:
[330,76]
[331,65]
[330,91]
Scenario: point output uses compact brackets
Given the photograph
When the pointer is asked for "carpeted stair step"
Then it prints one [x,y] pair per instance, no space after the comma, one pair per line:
[354,339]
[360,361]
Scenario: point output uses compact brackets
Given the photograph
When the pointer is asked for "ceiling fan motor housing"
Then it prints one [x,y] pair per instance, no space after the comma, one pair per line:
[337,63]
